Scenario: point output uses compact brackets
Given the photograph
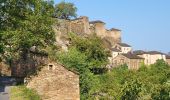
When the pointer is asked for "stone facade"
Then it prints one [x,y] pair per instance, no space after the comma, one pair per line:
[133,62]
[82,26]
[55,82]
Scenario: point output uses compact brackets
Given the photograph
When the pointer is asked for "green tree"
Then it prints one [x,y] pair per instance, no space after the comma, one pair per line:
[131,90]
[24,24]
[65,10]
[93,48]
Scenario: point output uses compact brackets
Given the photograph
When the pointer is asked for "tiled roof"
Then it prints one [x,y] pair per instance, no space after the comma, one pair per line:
[140,52]
[123,44]
[97,21]
[116,50]
[132,56]
[114,29]
[154,52]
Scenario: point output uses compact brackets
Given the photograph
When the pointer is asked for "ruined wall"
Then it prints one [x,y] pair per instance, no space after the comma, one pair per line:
[82,26]
[99,29]
[54,82]
[114,35]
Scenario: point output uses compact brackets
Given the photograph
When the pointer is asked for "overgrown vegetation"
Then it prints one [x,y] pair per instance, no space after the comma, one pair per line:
[23,93]
[85,54]
[23,24]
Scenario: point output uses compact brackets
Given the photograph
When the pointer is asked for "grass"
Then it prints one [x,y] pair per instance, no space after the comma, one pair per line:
[23,93]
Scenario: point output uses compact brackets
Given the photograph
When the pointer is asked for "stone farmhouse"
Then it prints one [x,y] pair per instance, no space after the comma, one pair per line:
[133,61]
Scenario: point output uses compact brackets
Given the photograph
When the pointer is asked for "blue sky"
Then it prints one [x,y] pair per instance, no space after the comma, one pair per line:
[145,24]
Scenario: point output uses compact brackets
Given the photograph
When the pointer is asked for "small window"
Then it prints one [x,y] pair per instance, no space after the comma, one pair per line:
[50,67]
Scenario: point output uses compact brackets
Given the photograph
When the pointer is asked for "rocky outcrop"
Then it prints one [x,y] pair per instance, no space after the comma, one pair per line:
[55,82]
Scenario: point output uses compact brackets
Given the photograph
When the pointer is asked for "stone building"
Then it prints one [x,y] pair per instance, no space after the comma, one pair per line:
[55,82]
[150,57]
[82,26]
[133,61]
[123,47]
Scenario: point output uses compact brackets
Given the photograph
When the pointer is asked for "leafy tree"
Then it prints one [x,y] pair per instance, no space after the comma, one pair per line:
[25,24]
[163,93]
[65,10]
[93,48]
[131,90]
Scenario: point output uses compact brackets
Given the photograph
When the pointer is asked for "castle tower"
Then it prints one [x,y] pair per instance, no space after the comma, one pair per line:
[80,25]
[114,36]
[98,27]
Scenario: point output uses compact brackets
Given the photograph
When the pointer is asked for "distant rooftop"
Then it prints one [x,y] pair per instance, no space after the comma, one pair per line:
[97,21]
[123,44]
[140,52]
[132,56]
[116,50]
[114,29]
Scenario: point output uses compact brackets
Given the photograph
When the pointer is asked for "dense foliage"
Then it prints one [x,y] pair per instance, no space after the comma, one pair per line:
[65,10]
[85,56]
[25,23]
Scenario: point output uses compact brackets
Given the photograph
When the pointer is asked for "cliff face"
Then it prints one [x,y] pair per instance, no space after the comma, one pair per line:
[82,26]
[54,82]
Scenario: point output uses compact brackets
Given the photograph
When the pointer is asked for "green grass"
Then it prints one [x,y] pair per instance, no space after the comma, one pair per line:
[23,93]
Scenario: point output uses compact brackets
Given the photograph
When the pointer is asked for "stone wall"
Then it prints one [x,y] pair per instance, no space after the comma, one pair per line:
[82,26]
[54,82]
[28,66]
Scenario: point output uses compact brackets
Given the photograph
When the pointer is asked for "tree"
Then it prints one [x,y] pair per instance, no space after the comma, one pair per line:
[24,24]
[131,90]
[65,10]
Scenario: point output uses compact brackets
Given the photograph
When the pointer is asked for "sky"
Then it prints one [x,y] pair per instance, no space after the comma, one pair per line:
[145,24]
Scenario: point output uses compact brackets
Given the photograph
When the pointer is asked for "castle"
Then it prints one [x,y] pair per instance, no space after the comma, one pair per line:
[82,26]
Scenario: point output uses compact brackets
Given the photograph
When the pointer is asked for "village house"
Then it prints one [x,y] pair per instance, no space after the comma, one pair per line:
[150,57]
[133,61]
[123,47]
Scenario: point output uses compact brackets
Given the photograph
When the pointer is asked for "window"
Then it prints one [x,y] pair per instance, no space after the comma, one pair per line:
[50,67]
